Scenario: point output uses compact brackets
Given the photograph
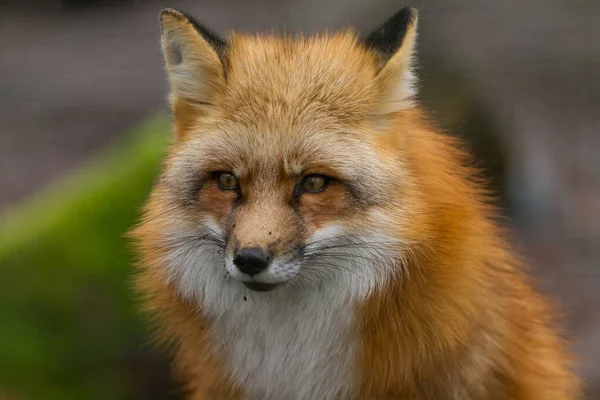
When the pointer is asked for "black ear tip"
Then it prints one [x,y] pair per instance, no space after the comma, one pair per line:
[170,12]
[407,15]
[388,38]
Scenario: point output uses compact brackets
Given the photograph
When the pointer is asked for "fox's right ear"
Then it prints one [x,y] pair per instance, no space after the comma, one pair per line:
[194,57]
[394,42]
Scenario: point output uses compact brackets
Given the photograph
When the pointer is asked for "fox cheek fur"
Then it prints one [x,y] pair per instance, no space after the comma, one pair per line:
[313,236]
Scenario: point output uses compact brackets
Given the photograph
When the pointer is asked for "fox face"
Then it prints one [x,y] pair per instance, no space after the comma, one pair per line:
[276,200]
[280,173]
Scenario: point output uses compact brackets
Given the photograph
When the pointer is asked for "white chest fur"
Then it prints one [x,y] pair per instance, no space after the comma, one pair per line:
[288,350]
[297,342]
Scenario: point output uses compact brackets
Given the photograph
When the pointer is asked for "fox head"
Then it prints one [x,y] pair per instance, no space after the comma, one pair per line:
[286,169]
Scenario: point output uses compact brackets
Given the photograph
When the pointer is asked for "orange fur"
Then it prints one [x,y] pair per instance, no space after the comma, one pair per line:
[465,324]
[455,320]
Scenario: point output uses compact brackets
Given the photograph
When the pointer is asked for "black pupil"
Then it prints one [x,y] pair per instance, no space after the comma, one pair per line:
[314,183]
[227,180]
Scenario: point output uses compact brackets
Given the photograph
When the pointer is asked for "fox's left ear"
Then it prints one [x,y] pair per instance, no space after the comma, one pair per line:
[395,42]
[194,57]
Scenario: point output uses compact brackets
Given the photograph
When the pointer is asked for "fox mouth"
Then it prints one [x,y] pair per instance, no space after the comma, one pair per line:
[260,286]
[276,274]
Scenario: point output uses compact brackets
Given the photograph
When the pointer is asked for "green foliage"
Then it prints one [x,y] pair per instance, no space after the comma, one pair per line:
[69,327]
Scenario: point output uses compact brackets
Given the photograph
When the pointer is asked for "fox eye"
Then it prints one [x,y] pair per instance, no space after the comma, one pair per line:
[227,181]
[314,183]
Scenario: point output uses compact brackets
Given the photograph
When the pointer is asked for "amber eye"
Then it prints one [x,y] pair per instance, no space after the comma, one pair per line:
[227,181]
[314,183]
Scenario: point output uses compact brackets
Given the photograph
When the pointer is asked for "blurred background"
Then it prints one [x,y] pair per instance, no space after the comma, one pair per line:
[83,124]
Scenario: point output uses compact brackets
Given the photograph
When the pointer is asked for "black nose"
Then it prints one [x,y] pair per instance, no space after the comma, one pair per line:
[251,261]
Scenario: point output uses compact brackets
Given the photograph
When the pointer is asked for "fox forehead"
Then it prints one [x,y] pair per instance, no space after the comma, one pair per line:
[249,149]
[298,79]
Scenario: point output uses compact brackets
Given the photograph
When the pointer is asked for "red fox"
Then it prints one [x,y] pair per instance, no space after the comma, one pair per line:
[314,236]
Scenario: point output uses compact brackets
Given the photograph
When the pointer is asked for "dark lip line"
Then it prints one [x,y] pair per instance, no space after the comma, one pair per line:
[260,286]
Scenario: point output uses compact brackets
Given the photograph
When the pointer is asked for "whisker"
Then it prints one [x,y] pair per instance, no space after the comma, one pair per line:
[168,210]
[217,234]
[335,266]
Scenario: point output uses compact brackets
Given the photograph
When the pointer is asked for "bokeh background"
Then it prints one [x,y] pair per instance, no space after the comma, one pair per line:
[83,124]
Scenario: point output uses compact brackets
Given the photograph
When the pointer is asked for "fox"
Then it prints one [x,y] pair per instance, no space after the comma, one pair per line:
[314,235]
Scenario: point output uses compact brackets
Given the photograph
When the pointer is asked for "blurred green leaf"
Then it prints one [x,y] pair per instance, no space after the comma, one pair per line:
[69,327]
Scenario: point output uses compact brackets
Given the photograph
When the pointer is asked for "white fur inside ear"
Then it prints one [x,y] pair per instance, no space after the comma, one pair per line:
[398,77]
[193,65]
[402,93]
[189,80]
